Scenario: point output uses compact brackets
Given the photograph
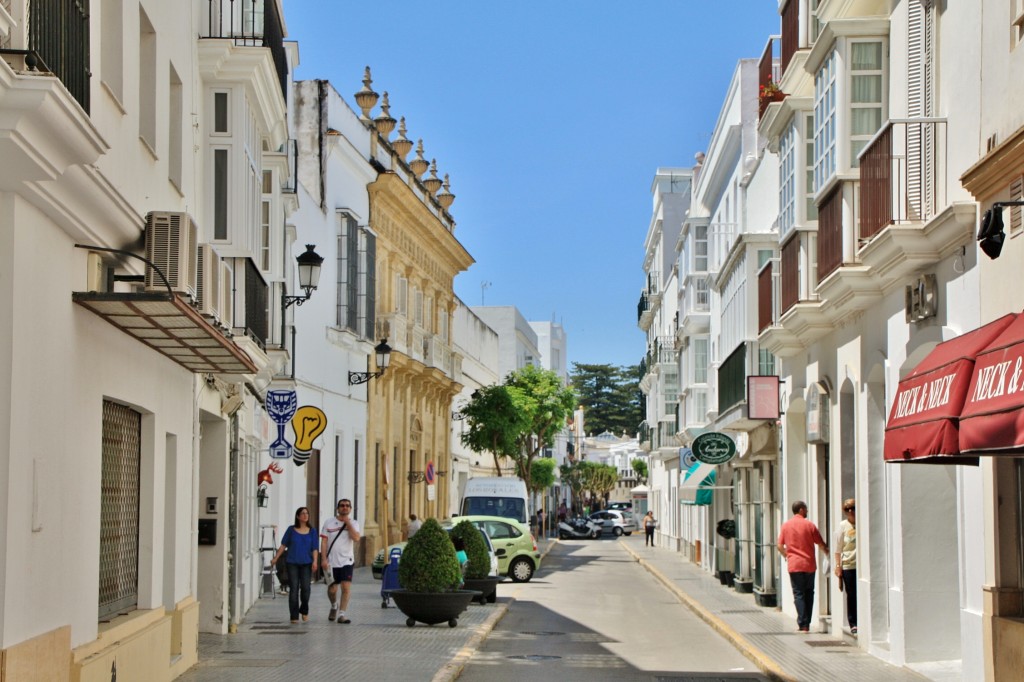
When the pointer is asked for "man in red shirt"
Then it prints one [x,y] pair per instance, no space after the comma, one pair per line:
[797,539]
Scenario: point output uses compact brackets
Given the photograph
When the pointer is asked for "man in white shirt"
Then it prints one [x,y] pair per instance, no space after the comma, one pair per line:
[337,547]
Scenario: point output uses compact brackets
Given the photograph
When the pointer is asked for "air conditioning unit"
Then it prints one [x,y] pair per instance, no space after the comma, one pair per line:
[921,299]
[208,298]
[227,307]
[172,244]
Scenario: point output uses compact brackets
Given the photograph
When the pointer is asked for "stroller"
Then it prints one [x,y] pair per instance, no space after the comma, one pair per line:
[389,580]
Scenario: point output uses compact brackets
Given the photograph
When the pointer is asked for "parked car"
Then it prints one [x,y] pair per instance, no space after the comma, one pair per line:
[514,545]
[379,561]
[615,521]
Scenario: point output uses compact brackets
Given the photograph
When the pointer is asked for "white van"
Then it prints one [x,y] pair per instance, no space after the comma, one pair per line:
[495,496]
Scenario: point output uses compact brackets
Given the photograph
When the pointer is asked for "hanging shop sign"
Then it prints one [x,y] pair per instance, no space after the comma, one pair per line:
[763,397]
[308,423]
[280,408]
[713,448]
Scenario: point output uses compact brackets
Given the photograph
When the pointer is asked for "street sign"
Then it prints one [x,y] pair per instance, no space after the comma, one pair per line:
[713,448]
[686,458]
[431,492]
[430,473]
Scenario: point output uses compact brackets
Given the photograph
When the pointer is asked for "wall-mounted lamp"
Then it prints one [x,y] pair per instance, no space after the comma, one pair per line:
[383,352]
[262,497]
[991,235]
[309,277]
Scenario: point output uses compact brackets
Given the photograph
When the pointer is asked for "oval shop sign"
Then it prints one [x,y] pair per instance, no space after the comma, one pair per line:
[713,448]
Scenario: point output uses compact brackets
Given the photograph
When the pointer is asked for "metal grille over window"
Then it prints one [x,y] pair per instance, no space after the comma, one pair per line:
[119,512]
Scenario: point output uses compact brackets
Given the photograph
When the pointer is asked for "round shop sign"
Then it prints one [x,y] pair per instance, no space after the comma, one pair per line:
[713,448]
[686,458]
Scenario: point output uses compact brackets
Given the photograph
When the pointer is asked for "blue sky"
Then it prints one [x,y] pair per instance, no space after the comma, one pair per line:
[551,117]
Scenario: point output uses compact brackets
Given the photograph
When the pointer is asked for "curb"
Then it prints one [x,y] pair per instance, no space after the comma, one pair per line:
[764,662]
[453,669]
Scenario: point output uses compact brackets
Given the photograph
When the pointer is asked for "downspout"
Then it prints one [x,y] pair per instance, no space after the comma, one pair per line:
[232,523]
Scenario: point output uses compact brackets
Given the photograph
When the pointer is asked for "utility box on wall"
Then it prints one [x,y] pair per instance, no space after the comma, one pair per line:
[207,531]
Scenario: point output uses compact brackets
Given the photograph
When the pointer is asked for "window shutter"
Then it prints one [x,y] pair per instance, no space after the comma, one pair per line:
[1016,194]
[352,293]
[369,288]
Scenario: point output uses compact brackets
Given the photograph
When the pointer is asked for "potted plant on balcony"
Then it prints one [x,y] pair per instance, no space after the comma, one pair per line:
[478,568]
[430,577]
[770,92]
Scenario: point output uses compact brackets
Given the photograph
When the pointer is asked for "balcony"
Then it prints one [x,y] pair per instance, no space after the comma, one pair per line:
[798,318]
[438,354]
[644,312]
[768,90]
[250,23]
[905,222]
[695,316]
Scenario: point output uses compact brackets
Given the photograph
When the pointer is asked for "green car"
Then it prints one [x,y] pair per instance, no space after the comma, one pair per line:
[514,545]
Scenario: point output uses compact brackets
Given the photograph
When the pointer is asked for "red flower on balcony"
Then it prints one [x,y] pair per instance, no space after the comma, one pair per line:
[770,92]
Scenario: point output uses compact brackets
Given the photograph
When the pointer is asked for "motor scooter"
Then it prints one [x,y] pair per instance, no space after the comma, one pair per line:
[579,528]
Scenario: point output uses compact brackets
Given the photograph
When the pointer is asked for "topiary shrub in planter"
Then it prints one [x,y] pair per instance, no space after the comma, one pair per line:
[428,562]
[430,576]
[479,567]
[476,549]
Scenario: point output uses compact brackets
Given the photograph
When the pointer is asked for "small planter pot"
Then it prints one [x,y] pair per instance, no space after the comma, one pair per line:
[433,607]
[487,587]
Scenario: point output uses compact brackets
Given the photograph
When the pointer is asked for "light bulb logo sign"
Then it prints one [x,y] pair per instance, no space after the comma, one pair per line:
[713,448]
[280,408]
[308,423]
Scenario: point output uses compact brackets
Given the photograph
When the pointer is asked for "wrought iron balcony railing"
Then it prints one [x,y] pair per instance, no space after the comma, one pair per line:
[250,23]
[903,174]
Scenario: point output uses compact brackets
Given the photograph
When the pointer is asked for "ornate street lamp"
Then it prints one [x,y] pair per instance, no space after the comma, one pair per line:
[309,277]
[383,352]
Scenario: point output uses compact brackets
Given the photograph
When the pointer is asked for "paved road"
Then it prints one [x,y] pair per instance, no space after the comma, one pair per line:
[592,613]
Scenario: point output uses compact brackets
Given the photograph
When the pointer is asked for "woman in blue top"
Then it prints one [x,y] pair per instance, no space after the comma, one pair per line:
[302,544]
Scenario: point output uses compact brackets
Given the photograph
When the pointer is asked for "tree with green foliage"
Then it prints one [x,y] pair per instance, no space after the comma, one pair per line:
[571,475]
[610,395]
[519,418]
[542,474]
[545,403]
[640,467]
[428,562]
[493,423]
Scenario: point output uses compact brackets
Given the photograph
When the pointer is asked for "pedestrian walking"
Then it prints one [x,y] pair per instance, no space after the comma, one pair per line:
[846,561]
[337,551]
[562,511]
[414,525]
[540,522]
[299,547]
[649,525]
[797,539]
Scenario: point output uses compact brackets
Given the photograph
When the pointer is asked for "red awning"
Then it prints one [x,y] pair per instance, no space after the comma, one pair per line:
[923,424]
[993,415]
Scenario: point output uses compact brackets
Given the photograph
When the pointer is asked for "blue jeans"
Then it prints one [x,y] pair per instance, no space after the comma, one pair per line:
[803,596]
[298,580]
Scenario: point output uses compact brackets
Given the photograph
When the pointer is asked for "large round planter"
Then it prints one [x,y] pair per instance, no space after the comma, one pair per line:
[433,607]
[487,587]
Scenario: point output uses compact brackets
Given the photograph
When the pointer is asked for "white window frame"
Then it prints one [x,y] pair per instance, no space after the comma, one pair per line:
[862,139]
[788,148]
[825,120]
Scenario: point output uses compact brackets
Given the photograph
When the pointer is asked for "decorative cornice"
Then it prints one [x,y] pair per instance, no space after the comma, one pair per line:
[990,175]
